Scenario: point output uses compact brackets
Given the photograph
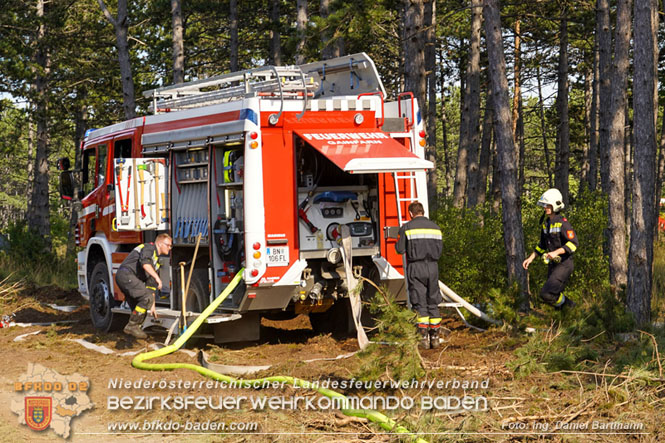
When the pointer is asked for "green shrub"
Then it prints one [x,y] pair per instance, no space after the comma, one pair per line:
[28,257]
[473,260]
[394,350]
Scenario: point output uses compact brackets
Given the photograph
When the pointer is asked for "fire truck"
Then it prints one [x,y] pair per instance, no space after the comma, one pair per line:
[270,169]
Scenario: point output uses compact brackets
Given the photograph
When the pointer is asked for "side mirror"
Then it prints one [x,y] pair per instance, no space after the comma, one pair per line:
[66,185]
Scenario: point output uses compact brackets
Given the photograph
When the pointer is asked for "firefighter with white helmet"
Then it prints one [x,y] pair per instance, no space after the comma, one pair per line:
[558,242]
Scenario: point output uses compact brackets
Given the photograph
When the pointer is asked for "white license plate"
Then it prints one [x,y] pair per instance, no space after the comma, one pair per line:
[278,256]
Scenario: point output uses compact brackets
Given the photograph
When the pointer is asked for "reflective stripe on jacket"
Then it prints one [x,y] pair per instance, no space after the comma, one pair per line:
[421,239]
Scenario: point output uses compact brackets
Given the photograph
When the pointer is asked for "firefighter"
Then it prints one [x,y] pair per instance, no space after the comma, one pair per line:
[421,240]
[138,279]
[558,242]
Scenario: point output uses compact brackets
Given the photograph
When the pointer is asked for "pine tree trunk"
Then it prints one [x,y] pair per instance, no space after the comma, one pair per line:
[414,49]
[518,121]
[628,156]
[604,38]
[121,27]
[301,28]
[495,186]
[543,128]
[511,216]
[616,220]
[592,176]
[478,190]
[413,53]
[588,94]
[234,64]
[275,52]
[178,42]
[444,132]
[641,233]
[430,66]
[562,167]
[80,122]
[470,119]
[660,170]
[38,208]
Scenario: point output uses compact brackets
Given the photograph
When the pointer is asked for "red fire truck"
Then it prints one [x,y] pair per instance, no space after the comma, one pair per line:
[270,166]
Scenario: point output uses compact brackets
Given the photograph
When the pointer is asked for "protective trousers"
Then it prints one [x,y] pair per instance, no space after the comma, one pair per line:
[424,294]
[140,297]
[557,277]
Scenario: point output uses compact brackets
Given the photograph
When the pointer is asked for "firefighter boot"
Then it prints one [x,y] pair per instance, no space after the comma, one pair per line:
[564,302]
[424,338]
[434,338]
[568,303]
[133,327]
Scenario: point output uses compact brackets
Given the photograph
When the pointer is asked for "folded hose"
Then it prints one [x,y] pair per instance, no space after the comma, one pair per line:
[140,362]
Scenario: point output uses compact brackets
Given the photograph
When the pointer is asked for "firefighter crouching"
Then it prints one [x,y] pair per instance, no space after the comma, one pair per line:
[557,244]
[422,242]
[138,279]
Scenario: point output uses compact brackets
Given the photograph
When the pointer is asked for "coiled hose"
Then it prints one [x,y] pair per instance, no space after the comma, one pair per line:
[140,362]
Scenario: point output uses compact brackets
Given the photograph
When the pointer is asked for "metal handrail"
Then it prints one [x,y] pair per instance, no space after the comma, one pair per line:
[271,80]
[383,113]
[399,107]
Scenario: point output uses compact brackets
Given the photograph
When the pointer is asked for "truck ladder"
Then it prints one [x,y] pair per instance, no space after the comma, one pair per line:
[277,81]
[408,178]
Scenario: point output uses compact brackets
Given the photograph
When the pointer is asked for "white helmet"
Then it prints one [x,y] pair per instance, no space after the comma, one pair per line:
[552,197]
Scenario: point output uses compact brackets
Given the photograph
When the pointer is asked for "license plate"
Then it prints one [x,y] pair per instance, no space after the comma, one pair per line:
[278,256]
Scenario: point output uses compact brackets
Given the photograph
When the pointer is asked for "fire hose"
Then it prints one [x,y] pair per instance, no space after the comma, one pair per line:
[140,362]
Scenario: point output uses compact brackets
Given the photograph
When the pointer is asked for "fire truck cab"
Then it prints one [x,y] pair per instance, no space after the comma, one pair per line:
[281,171]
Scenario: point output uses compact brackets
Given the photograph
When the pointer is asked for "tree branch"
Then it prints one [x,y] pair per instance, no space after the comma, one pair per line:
[107,14]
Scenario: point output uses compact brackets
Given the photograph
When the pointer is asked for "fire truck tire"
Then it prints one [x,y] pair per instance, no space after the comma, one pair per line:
[198,296]
[102,301]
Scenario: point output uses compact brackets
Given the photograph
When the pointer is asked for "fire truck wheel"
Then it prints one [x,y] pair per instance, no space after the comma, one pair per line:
[198,296]
[101,300]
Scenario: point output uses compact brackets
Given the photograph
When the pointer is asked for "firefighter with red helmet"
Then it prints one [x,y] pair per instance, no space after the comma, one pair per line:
[558,242]
[138,279]
[422,242]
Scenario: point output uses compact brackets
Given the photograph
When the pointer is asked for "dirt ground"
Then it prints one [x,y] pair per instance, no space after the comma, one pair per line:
[583,406]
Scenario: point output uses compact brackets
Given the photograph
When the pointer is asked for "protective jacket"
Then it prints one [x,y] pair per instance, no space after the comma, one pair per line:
[421,240]
[141,255]
[132,279]
[555,233]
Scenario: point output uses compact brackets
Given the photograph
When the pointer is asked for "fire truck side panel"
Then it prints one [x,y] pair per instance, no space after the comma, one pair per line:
[280,203]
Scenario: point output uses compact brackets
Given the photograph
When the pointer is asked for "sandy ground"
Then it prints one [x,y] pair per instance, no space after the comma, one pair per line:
[518,409]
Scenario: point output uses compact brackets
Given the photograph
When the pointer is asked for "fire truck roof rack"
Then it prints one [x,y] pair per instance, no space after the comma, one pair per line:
[348,75]
[272,81]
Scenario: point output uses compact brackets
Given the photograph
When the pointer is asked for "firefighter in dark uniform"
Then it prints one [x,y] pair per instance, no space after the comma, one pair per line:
[558,243]
[138,279]
[421,240]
